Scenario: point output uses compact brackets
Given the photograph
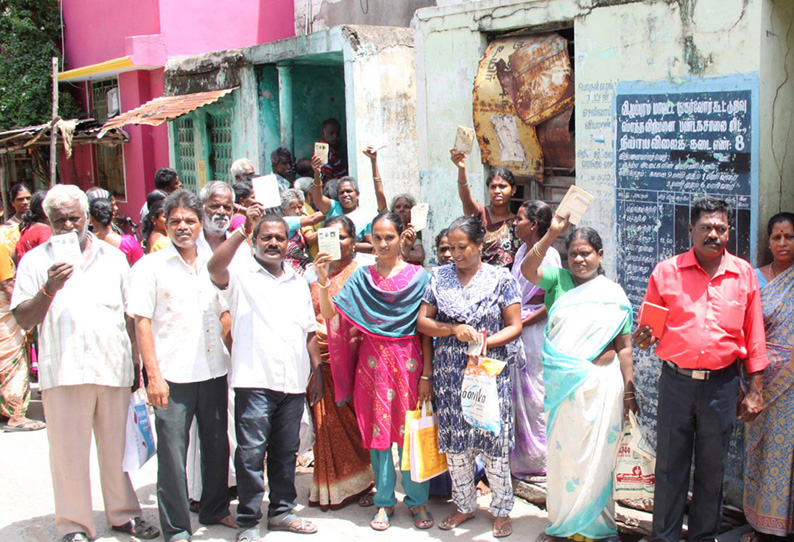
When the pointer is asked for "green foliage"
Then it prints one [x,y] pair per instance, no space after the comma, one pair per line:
[30,33]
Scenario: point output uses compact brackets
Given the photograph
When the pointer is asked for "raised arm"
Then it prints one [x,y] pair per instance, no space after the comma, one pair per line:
[218,266]
[322,202]
[530,267]
[312,219]
[469,205]
[372,154]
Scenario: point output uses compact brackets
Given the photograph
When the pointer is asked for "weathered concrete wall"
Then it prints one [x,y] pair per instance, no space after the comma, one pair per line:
[314,15]
[381,106]
[318,93]
[616,42]
[777,115]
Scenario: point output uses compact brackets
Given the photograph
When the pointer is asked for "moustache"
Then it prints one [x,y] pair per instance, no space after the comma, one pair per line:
[711,242]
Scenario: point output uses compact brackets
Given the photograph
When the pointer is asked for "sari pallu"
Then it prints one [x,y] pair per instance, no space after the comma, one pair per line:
[585,408]
[376,354]
[342,471]
[769,439]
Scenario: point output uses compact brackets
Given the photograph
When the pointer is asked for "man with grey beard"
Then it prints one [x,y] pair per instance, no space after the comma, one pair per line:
[217,199]
[87,366]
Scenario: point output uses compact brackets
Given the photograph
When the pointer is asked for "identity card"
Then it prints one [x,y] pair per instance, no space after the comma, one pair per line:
[66,248]
[464,140]
[328,241]
[321,150]
[574,204]
[266,191]
[419,216]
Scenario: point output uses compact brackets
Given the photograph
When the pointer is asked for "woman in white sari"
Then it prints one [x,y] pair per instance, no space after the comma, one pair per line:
[589,380]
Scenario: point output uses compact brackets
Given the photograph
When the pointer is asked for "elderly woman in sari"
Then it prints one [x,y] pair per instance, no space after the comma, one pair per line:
[463,299]
[342,470]
[376,357]
[529,456]
[769,439]
[589,380]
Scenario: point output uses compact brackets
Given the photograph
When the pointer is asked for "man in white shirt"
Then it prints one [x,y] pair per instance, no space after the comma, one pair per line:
[75,290]
[217,201]
[275,352]
[178,323]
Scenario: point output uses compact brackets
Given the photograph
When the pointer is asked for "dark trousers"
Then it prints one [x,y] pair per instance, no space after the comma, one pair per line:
[699,415]
[266,421]
[207,401]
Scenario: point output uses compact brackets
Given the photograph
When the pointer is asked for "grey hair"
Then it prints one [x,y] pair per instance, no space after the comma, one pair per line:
[212,187]
[409,197]
[238,167]
[289,195]
[351,180]
[304,184]
[61,194]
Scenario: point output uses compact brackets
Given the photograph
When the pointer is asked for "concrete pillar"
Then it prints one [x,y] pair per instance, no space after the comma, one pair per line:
[285,106]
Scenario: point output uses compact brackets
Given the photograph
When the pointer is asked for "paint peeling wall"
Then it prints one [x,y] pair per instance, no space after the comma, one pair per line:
[314,15]
[616,42]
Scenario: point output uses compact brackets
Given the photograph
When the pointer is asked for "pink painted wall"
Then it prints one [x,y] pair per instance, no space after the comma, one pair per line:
[210,26]
[96,31]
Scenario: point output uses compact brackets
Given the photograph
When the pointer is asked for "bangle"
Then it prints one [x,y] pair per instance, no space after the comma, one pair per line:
[463,184]
[377,179]
[324,287]
[428,378]
[245,233]
[536,252]
[46,293]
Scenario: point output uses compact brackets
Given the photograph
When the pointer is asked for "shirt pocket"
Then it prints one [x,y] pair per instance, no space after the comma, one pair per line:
[730,314]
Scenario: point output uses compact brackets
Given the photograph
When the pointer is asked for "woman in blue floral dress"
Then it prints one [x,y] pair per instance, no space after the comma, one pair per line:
[462,299]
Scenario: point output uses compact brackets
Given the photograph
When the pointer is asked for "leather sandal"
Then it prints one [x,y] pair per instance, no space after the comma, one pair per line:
[382,519]
[422,518]
[455,520]
[139,528]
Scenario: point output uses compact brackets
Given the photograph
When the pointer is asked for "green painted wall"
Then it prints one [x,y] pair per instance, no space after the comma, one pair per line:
[318,93]
[269,133]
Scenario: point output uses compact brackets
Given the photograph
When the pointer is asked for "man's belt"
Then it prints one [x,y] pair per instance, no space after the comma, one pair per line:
[695,374]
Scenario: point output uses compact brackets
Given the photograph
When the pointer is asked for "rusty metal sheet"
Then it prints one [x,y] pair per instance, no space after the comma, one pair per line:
[505,141]
[557,142]
[165,108]
[538,77]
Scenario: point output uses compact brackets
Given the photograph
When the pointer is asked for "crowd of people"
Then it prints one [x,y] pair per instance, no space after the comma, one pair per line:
[236,325]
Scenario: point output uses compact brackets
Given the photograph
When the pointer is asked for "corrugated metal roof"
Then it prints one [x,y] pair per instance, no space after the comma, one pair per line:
[86,130]
[165,108]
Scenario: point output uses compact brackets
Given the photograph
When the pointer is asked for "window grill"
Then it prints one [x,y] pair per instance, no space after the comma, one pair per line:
[220,136]
[186,153]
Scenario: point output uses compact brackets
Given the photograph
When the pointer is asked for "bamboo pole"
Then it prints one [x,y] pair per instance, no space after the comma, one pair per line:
[53,129]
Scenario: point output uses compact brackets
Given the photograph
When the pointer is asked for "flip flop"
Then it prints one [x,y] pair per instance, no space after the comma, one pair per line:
[249,535]
[381,520]
[453,521]
[29,425]
[293,524]
[367,500]
[502,527]
[422,518]
[139,528]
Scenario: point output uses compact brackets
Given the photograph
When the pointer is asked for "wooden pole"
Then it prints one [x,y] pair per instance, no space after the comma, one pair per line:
[54,130]
[3,162]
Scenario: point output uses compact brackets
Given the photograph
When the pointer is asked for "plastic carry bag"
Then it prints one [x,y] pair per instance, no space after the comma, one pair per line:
[635,464]
[139,447]
[420,445]
[479,395]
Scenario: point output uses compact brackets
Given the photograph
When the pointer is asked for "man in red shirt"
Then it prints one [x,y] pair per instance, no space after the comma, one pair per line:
[714,320]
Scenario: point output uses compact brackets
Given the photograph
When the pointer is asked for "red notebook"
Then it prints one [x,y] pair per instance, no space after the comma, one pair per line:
[654,316]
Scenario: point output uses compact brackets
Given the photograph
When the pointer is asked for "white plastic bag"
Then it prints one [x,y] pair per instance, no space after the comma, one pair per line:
[479,395]
[635,464]
[307,437]
[140,446]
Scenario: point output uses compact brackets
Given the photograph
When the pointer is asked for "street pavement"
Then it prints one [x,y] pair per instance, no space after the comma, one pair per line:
[27,507]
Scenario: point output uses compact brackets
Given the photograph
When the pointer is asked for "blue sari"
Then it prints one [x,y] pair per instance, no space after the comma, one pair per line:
[585,408]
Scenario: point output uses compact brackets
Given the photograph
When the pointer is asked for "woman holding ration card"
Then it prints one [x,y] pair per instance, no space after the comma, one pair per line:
[463,299]
[587,365]
[376,358]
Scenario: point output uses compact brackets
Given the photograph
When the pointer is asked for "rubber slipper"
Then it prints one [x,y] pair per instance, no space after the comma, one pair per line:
[453,521]
[382,520]
[29,425]
[422,518]
[502,527]
[293,524]
[139,528]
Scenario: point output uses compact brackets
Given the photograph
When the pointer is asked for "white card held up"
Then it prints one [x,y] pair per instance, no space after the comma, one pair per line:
[266,191]
[66,248]
[378,144]
[328,241]
[464,140]
[321,150]
[419,216]
[574,204]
